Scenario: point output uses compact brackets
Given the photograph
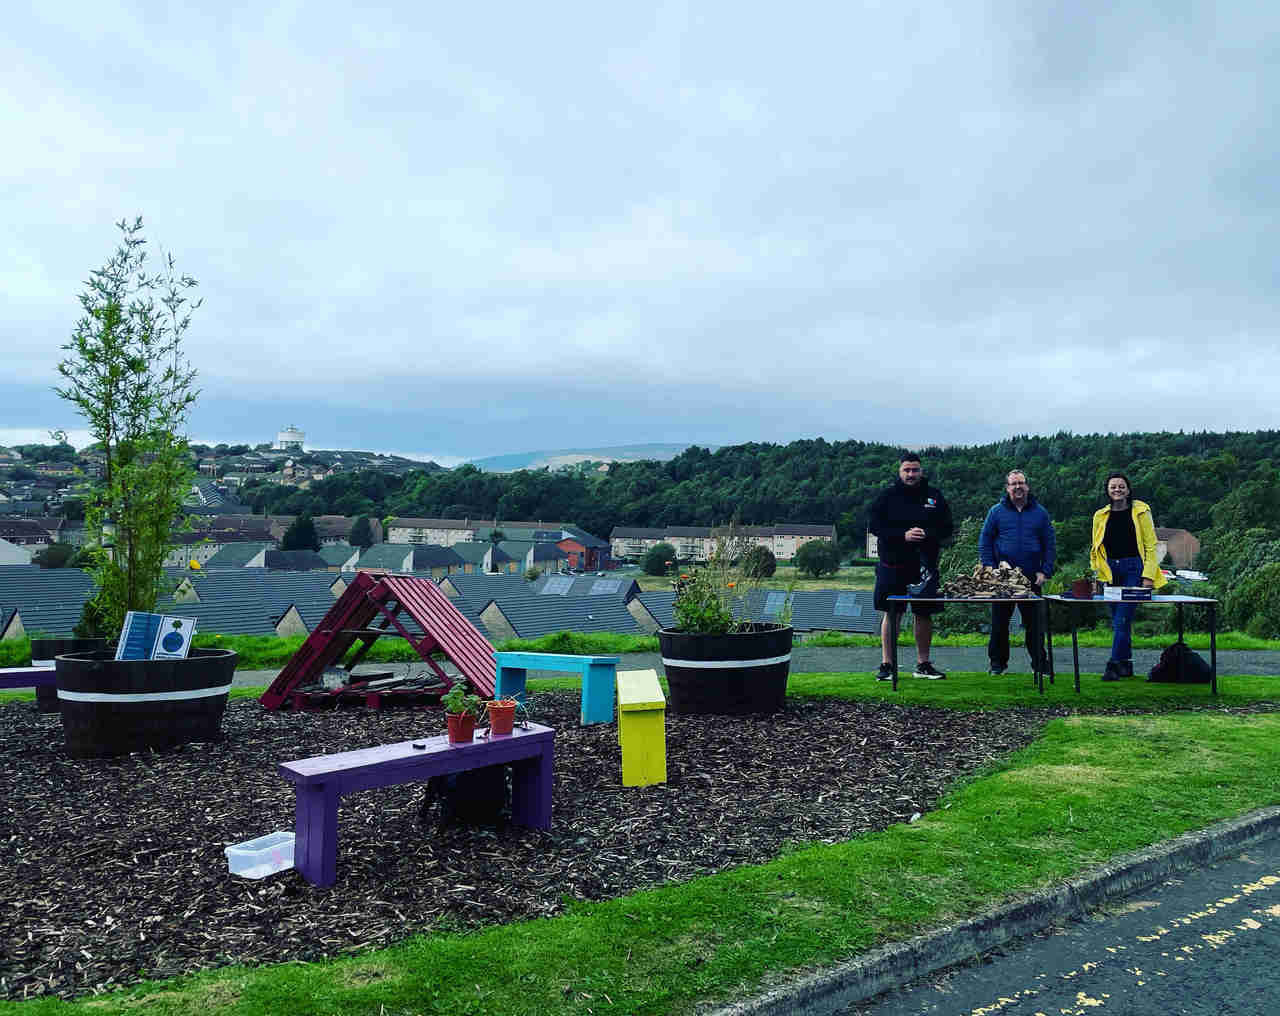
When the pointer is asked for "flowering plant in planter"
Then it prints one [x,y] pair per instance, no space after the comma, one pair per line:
[712,600]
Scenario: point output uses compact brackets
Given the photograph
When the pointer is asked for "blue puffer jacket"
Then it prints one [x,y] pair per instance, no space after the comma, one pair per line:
[1023,538]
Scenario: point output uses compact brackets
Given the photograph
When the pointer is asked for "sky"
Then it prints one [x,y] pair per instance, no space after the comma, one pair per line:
[453,233]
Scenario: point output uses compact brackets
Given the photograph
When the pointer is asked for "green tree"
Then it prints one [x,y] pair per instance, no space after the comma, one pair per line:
[301,535]
[55,555]
[361,533]
[759,562]
[125,373]
[658,558]
[817,558]
[1253,606]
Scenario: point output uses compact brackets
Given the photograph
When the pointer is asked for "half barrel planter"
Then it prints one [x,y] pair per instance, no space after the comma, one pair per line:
[113,707]
[45,651]
[736,674]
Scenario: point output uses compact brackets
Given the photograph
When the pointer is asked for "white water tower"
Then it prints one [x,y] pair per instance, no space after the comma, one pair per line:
[289,440]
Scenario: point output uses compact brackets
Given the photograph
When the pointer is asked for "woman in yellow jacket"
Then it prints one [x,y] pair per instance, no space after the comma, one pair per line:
[1124,554]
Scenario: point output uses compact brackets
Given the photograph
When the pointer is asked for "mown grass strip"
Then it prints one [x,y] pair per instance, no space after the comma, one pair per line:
[1089,788]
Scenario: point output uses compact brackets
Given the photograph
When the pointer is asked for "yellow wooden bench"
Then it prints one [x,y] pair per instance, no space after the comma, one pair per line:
[642,729]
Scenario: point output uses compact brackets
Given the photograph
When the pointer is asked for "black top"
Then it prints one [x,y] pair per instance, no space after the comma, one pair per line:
[1121,539]
[899,508]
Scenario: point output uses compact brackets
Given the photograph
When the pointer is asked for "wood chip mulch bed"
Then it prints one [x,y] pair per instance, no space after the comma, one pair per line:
[112,871]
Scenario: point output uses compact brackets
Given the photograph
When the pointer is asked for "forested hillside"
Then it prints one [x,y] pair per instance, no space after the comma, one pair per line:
[1181,475]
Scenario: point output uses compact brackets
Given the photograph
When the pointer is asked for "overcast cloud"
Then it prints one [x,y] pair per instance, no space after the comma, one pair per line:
[459,233]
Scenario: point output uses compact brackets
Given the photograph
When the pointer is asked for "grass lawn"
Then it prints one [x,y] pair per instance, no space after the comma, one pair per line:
[1090,787]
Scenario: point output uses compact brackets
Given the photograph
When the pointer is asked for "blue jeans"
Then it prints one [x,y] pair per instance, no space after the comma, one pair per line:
[1125,571]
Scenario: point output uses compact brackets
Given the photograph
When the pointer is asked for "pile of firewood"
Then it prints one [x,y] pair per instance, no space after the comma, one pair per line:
[984,582]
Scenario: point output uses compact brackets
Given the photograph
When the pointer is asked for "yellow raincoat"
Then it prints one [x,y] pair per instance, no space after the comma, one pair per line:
[1146,544]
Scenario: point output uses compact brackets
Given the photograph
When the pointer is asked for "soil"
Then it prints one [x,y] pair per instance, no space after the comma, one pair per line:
[112,871]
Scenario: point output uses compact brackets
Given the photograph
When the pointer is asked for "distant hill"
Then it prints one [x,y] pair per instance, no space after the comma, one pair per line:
[571,456]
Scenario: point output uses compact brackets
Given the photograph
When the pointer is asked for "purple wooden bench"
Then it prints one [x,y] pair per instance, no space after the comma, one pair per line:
[28,677]
[320,782]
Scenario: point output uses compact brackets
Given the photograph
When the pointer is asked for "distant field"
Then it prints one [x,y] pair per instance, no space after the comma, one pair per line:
[846,578]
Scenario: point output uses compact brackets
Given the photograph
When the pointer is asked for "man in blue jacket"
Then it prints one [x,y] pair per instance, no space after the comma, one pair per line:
[1018,530]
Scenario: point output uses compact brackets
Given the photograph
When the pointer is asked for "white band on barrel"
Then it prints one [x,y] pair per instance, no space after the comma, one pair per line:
[726,664]
[153,696]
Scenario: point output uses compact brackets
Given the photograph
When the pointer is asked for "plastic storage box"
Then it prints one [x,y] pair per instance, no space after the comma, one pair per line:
[261,857]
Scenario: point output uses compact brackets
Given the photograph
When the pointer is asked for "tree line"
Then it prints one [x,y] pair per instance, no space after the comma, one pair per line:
[1182,475]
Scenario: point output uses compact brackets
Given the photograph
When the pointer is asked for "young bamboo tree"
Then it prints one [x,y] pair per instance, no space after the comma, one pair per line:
[125,373]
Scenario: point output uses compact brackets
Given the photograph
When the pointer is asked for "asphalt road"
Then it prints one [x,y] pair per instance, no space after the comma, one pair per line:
[865,659]
[1202,943]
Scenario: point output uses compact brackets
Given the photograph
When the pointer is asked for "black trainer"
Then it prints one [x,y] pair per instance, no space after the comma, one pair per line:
[885,673]
[927,670]
[996,668]
[1112,673]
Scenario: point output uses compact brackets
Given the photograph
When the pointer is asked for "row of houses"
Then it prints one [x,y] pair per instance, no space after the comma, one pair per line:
[505,557]
[582,550]
[253,601]
[696,543]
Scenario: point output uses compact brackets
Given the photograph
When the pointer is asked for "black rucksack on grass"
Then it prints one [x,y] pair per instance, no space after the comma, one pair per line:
[1194,669]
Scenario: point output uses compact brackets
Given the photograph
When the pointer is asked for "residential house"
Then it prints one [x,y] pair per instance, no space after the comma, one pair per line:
[14,553]
[1181,546]
[696,543]
[24,532]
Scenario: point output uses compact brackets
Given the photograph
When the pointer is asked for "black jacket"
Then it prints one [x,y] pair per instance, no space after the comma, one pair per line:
[899,508]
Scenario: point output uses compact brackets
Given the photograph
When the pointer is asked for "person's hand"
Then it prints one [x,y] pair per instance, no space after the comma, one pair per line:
[915,534]
[1039,578]
[1148,583]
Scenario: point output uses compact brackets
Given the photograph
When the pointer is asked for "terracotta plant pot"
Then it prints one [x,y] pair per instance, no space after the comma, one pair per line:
[502,715]
[462,728]
[1082,589]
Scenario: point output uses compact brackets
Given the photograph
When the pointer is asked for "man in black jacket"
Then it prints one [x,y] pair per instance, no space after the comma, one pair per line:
[910,520]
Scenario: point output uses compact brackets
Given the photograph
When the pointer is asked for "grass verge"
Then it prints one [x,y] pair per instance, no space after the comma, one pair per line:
[270,652]
[1089,788]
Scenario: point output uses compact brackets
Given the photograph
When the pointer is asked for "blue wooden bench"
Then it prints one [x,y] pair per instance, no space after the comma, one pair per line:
[598,676]
[319,783]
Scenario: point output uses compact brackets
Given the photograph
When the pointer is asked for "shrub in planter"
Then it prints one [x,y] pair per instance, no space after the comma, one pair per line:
[716,659]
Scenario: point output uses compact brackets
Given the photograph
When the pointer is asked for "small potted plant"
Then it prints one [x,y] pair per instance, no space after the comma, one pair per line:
[462,709]
[1082,588]
[502,715]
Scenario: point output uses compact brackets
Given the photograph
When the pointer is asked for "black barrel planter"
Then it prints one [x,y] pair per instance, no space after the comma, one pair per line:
[745,672]
[113,707]
[43,652]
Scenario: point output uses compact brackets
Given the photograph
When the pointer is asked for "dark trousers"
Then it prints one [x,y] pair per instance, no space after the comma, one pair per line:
[998,644]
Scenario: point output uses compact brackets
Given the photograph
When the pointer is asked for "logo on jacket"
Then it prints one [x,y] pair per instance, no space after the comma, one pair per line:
[931,502]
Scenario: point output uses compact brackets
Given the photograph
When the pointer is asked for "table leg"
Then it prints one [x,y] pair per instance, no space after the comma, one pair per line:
[1042,610]
[597,693]
[1048,641]
[509,683]
[894,617]
[315,847]
[1179,639]
[1213,648]
[531,782]
[1075,652]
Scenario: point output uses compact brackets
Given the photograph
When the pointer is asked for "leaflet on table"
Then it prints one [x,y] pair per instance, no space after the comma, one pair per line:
[1126,593]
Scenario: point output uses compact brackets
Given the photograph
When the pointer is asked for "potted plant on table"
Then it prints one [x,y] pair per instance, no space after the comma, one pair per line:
[716,659]
[462,709]
[125,373]
[1082,588]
